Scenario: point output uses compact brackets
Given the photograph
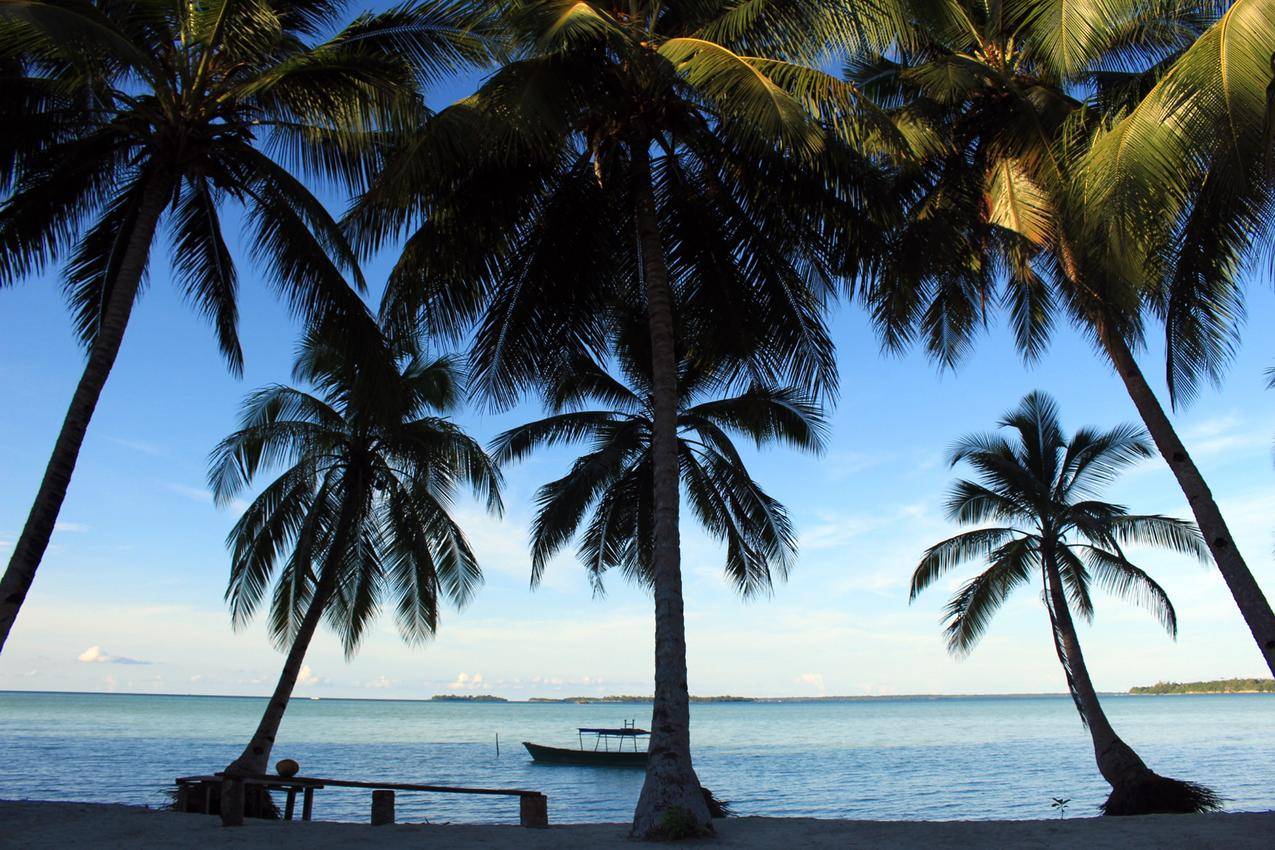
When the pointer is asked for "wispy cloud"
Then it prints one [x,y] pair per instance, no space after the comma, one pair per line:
[203,495]
[70,528]
[195,494]
[97,655]
[142,446]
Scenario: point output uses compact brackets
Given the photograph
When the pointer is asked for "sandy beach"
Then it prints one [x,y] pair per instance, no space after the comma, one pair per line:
[38,825]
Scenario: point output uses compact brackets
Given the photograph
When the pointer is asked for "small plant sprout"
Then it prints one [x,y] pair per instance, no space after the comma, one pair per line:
[1060,803]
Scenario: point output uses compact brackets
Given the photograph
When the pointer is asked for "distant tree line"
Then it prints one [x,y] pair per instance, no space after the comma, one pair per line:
[1214,686]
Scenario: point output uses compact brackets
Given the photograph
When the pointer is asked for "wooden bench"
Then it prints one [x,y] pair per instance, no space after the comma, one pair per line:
[533,806]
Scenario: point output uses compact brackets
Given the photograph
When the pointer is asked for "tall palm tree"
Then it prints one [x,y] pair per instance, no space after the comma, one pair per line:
[124,115]
[608,489]
[1002,102]
[359,516]
[1184,181]
[634,153]
[1040,491]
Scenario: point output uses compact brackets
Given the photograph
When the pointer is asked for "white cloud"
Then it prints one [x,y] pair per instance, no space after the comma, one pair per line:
[97,655]
[812,680]
[307,677]
[466,681]
[381,682]
[70,528]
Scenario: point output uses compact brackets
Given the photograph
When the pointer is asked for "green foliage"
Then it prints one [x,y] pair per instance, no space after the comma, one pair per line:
[1214,686]
[608,490]
[369,443]
[677,824]
[206,103]
[1031,122]
[517,203]
[1040,489]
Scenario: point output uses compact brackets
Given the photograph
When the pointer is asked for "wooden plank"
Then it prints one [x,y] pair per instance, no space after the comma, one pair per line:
[307,803]
[291,804]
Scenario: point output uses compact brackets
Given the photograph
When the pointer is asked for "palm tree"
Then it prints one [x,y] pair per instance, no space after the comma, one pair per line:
[1184,180]
[1041,491]
[609,488]
[123,115]
[1002,103]
[359,516]
[634,153]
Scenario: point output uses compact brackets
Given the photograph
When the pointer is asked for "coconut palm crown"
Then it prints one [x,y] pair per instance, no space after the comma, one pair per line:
[1041,521]
[360,516]
[608,489]
[126,119]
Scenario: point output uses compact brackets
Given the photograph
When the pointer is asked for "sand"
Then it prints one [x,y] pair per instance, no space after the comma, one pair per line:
[38,825]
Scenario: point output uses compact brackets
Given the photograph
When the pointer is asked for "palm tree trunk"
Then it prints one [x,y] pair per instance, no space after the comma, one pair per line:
[1235,572]
[671,804]
[255,758]
[34,540]
[1117,762]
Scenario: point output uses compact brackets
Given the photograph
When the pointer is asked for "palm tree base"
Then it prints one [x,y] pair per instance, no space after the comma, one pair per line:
[671,810]
[1160,795]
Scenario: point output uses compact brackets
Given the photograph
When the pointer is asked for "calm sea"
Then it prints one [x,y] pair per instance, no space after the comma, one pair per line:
[934,759]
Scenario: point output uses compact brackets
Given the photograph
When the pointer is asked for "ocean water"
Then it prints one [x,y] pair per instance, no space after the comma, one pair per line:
[933,759]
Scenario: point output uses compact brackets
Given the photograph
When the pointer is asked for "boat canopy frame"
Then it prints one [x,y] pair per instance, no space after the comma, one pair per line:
[604,735]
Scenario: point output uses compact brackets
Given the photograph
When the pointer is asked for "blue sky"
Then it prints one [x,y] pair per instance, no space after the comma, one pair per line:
[130,594]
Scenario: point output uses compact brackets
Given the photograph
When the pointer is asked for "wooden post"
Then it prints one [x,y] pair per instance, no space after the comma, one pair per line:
[231,802]
[307,802]
[382,807]
[183,797]
[533,810]
[291,805]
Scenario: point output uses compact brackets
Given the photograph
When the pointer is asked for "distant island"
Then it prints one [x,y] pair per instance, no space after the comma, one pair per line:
[466,698]
[1216,686]
[626,698]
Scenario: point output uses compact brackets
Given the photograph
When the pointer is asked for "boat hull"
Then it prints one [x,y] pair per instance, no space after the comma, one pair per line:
[587,758]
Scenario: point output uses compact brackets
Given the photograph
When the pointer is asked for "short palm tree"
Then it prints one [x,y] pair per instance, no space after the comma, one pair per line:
[1003,102]
[1039,493]
[359,517]
[121,116]
[642,153]
[608,489]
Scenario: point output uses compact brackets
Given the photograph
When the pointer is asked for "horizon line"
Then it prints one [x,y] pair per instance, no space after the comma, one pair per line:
[476,699]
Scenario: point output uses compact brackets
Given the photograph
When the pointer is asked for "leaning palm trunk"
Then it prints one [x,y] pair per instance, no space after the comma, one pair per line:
[1230,563]
[1135,788]
[34,540]
[255,758]
[671,804]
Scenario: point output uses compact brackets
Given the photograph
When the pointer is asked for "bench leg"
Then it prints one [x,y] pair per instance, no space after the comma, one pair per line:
[291,805]
[183,798]
[533,810]
[382,807]
[307,803]
[232,802]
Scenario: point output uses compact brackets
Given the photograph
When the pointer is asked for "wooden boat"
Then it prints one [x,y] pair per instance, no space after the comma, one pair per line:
[602,754]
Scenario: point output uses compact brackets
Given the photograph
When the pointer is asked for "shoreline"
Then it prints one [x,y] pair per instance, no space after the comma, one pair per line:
[706,700]
[47,825]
